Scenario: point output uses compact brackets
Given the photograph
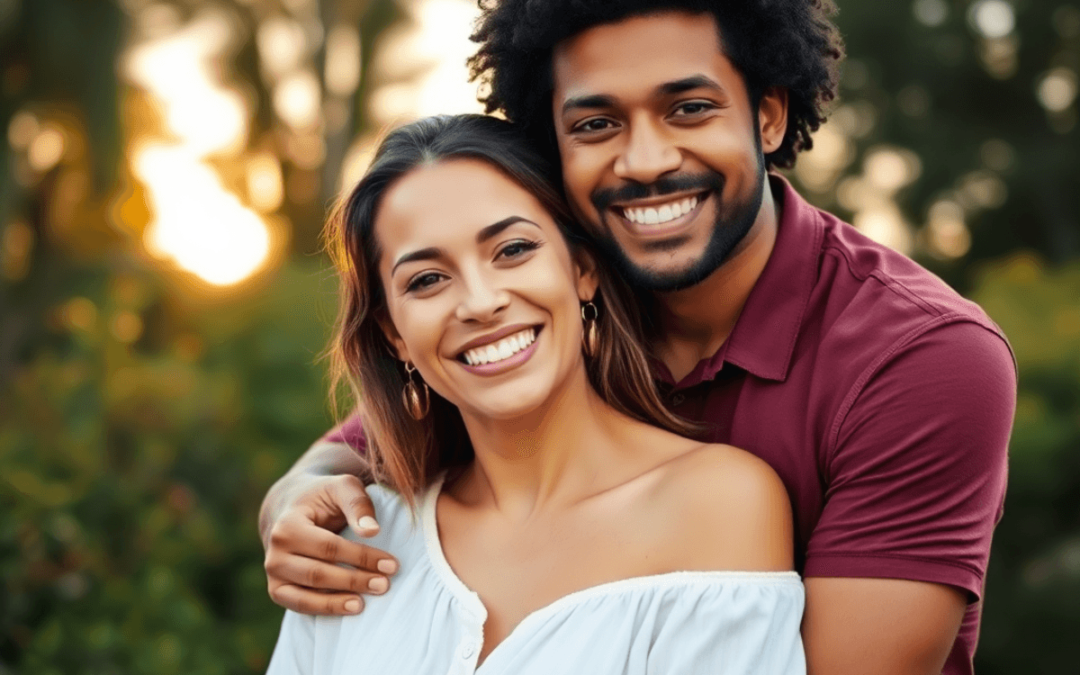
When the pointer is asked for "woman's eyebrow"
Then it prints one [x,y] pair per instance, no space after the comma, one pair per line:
[430,253]
[495,228]
[486,233]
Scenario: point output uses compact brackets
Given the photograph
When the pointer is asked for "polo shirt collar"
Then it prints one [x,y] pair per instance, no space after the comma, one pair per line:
[763,340]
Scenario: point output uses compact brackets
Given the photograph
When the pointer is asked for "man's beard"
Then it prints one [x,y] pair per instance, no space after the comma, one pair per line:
[729,229]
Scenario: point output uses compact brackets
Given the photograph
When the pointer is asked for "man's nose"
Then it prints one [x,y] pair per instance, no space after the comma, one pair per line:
[482,300]
[649,154]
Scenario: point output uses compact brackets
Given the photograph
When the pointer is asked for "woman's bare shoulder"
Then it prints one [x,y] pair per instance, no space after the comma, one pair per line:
[730,510]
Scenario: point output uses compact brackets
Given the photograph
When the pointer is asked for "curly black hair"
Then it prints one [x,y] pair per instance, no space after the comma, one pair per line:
[791,44]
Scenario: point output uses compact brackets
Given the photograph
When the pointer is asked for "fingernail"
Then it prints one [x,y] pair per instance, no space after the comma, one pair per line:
[352,606]
[367,523]
[378,584]
[387,566]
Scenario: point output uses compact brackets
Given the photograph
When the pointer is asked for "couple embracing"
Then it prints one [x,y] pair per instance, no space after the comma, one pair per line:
[626,402]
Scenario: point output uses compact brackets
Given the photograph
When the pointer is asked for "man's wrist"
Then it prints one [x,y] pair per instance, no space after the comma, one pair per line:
[322,460]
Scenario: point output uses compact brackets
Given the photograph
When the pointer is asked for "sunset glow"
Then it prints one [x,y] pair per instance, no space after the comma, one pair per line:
[197,223]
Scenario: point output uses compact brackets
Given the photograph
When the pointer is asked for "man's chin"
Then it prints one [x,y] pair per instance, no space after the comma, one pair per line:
[662,276]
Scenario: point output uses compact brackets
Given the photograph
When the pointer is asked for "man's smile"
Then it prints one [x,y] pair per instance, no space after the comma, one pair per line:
[659,216]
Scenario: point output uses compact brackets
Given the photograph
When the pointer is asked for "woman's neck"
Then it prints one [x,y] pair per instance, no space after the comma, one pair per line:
[552,457]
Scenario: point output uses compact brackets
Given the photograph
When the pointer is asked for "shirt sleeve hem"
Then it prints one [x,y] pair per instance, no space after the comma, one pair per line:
[883,566]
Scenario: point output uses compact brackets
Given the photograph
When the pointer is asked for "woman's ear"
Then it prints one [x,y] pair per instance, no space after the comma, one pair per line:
[587,275]
[397,345]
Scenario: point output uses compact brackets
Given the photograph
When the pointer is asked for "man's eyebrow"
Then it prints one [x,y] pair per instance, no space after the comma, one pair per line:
[688,83]
[588,102]
[596,101]
[483,235]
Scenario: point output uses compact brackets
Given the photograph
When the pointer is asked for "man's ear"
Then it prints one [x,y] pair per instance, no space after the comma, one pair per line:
[397,345]
[588,278]
[772,118]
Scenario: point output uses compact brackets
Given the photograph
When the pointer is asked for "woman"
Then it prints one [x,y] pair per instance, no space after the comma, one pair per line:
[547,516]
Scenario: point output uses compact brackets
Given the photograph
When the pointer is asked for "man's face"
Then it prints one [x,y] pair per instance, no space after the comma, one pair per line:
[661,148]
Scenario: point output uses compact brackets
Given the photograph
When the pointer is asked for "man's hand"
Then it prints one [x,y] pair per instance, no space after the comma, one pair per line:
[879,626]
[299,521]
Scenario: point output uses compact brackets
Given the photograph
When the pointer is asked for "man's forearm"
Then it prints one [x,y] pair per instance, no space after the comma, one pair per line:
[321,459]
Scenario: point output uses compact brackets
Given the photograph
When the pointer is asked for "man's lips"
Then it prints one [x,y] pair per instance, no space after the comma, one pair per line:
[659,221]
[663,189]
[661,210]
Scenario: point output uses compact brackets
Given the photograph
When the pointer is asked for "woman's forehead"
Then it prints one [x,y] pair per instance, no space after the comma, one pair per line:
[449,199]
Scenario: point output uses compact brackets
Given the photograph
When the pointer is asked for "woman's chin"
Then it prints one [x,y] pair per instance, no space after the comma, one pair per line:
[504,404]
[503,411]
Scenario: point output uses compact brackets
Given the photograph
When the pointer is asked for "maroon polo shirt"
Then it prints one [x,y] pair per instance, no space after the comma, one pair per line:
[882,398]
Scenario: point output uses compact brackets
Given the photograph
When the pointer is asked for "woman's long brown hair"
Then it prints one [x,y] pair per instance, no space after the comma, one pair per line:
[406,453]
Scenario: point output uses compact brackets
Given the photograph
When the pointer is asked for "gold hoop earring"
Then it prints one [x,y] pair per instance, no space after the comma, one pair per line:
[416,404]
[590,335]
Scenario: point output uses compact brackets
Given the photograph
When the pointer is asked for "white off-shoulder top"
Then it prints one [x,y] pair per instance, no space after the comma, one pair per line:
[430,623]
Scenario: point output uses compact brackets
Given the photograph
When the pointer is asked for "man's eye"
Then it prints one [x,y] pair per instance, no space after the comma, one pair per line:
[423,281]
[692,108]
[516,249]
[594,125]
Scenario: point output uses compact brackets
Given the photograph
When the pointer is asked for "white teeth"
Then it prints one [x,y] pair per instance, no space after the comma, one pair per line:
[661,214]
[504,349]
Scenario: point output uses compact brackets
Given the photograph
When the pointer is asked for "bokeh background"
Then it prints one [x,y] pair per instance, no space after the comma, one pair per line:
[165,170]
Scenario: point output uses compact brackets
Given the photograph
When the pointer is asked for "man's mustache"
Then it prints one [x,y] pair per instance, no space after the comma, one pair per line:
[603,198]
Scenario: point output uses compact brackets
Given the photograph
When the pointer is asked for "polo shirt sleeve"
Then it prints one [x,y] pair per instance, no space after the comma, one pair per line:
[350,432]
[916,463]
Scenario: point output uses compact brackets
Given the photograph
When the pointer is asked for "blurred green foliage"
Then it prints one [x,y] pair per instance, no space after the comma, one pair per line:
[132,473]
[142,417]
[1032,611]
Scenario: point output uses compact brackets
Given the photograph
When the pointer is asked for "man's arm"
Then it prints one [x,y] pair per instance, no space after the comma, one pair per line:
[298,522]
[879,626]
[916,469]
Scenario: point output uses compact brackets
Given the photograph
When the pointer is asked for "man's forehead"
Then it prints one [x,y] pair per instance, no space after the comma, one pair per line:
[644,51]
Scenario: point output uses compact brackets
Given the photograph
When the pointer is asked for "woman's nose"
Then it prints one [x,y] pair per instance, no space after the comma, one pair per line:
[482,301]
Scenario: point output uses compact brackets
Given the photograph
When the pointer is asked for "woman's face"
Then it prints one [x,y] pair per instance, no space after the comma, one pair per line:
[482,291]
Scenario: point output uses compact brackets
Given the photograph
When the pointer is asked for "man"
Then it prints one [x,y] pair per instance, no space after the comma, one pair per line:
[882,398]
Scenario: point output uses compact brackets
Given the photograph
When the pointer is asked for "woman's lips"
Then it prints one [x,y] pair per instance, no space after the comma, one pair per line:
[503,365]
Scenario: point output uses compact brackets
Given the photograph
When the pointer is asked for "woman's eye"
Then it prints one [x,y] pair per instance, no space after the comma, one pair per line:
[516,249]
[423,281]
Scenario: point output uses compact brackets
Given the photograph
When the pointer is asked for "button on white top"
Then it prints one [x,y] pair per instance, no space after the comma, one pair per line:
[468,649]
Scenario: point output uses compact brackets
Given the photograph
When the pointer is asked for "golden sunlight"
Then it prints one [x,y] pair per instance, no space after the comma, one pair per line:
[421,71]
[198,223]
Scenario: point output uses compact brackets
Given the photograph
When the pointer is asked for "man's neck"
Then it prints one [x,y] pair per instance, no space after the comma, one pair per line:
[695,322]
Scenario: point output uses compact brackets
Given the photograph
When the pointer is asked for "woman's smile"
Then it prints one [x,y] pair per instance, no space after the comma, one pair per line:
[501,355]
